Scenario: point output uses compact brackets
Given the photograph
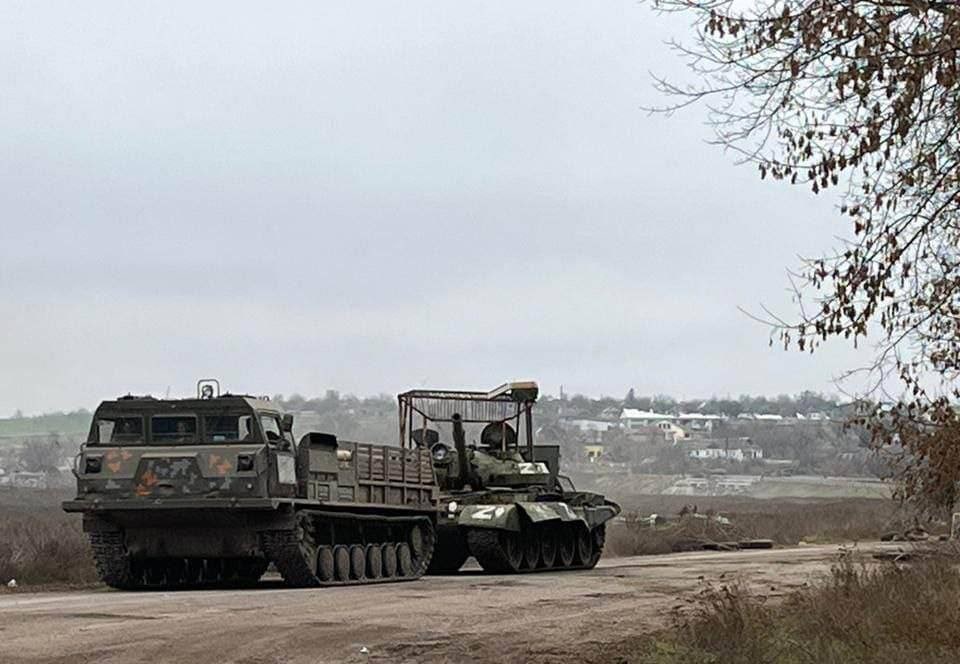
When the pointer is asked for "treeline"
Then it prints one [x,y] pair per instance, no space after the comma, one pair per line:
[333,402]
[74,422]
[805,403]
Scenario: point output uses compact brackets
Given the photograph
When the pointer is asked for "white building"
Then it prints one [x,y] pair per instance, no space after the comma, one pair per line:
[586,425]
[717,453]
[634,418]
[671,432]
[592,429]
[739,454]
[699,421]
[760,417]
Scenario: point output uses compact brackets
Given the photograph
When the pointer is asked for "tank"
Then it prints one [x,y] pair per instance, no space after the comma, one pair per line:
[211,490]
[503,499]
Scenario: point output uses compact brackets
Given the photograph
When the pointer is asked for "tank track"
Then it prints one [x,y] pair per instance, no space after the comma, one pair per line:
[111,560]
[294,553]
[491,548]
[283,549]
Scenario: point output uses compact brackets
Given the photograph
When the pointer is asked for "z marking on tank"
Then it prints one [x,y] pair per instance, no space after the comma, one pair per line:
[487,512]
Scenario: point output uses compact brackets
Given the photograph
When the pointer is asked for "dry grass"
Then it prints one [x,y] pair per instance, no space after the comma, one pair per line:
[39,543]
[786,522]
[881,615]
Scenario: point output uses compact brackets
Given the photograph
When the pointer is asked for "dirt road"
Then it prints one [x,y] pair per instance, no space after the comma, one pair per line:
[573,616]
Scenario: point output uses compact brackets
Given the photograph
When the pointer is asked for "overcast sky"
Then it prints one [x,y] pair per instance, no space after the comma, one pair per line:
[372,196]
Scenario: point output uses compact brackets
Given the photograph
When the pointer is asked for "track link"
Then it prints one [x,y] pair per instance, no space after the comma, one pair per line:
[111,559]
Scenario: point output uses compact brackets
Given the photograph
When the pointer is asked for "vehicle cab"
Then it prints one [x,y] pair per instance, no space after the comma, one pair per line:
[211,448]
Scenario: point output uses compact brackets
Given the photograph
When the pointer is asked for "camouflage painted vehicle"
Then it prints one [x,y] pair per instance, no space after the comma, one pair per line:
[211,490]
[502,502]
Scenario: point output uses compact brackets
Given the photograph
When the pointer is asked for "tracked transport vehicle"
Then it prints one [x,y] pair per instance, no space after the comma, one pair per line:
[210,490]
[503,499]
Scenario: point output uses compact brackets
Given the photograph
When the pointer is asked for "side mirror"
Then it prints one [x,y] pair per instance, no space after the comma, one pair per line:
[286,422]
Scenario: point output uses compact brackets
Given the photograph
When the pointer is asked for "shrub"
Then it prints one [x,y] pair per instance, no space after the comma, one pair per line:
[880,615]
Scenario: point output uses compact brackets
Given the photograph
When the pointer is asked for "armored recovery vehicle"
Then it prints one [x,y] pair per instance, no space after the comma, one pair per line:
[502,501]
[210,490]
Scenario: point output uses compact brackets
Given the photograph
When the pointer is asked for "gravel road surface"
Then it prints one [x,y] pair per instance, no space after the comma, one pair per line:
[549,617]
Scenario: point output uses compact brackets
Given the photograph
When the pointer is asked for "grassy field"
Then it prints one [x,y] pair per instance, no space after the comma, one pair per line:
[858,615]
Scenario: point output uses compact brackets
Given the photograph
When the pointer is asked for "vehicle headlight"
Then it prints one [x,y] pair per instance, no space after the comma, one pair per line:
[244,462]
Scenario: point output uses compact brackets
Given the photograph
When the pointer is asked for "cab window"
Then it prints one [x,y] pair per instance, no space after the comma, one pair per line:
[271,427]
[228,428]
[174,429]
[118,430]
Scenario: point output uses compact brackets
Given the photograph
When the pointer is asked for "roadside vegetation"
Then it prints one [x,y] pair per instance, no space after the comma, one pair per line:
[39,543]
[881,615]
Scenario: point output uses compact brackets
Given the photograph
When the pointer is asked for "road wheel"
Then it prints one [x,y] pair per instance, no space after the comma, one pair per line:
[566,545]
[341,562]
[512,548]
[326,566]
[597,537]
[389,554]
[374,561]
[548,547]
[417,543]
[584,546]
[531,548]
[358,561]
[404,560]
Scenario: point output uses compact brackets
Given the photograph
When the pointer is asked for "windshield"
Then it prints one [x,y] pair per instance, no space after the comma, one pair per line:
[180,429]
[226,428]
[118,430]
[174,429]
